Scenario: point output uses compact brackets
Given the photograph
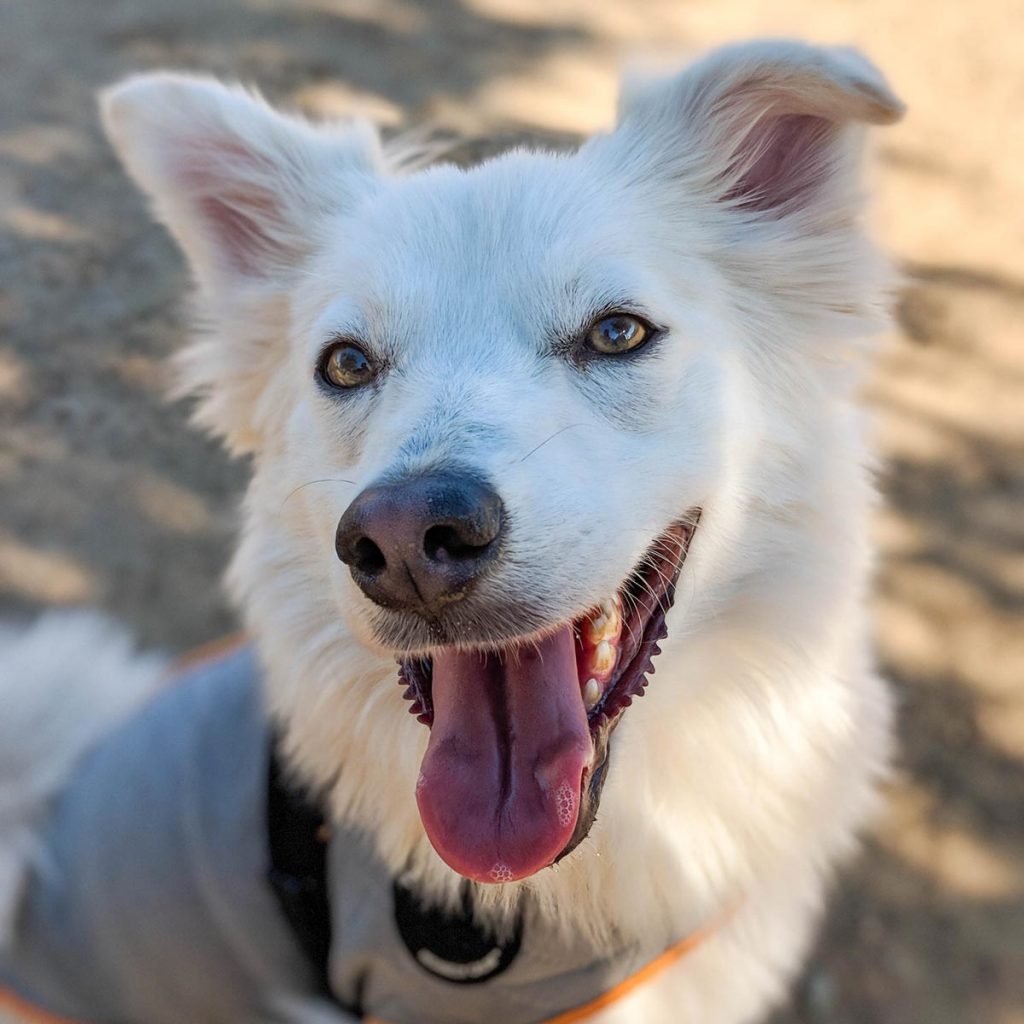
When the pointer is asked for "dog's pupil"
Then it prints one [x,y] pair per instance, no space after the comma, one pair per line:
[617,334]
[349,366]
[620,329]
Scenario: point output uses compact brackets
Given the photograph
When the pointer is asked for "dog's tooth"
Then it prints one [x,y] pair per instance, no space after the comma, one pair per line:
[605,626]
[614,616]
[602,661]
[595,630]
[591,693]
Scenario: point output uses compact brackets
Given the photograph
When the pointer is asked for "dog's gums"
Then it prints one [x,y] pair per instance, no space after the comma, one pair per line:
[519,742]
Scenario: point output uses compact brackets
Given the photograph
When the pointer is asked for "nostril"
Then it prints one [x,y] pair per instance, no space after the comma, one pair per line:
[421,542]
[367,557]
[446,544]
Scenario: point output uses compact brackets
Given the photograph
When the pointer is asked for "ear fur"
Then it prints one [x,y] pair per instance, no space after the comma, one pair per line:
[245,191]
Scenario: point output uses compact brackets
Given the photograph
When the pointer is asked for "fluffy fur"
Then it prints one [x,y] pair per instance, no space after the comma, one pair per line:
[727,203]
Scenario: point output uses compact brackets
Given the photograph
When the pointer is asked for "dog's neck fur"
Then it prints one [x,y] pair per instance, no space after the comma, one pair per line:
[761,712]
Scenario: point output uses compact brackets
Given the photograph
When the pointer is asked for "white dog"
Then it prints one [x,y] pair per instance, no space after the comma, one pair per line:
[499,419]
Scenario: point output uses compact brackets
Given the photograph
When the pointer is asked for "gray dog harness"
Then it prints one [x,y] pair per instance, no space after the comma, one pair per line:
[180,880]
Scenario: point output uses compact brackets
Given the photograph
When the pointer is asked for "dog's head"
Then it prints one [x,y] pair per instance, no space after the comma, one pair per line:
[492,411]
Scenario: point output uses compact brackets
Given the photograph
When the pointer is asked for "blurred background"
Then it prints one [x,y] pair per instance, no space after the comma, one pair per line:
[107,498]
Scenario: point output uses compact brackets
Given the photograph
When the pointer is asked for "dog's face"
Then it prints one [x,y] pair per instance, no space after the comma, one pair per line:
[512,330]
[498,406]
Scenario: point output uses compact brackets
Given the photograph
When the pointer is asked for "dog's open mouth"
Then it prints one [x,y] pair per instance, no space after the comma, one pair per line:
[519,738]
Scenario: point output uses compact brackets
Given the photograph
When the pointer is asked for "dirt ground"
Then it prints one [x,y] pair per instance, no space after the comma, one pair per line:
[107,498]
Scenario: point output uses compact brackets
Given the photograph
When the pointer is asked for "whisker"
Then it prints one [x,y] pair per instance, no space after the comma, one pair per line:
[665,578]
[658,599]
[309,483]
[634,611]
[562,430]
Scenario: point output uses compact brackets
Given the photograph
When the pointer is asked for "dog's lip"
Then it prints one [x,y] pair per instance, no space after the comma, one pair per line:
[656,577]
[647,595]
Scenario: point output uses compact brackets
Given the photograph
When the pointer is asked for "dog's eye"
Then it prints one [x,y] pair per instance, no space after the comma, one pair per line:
[618,333]
[346,365]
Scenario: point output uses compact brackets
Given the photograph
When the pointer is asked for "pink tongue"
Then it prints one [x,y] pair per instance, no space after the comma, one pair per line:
[499,791]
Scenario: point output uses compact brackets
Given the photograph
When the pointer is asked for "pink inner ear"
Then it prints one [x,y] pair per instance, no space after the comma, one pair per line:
[232,189]
[238,223]
[782,161]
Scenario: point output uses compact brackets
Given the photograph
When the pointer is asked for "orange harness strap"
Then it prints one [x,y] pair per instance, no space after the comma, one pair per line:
[633,982]
[31,1015]
[624,988]
[204,653]
[27,1012]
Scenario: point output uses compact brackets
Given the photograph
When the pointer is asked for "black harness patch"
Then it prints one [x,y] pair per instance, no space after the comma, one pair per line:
[449,946]
[298,867]
[452,946]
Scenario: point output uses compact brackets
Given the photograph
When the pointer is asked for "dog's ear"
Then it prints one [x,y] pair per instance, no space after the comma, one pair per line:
[239,185]
[755,153]
[247,192]
[762,127]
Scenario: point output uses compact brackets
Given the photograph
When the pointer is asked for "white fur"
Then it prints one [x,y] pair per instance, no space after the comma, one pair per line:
[64,682]
[743,774]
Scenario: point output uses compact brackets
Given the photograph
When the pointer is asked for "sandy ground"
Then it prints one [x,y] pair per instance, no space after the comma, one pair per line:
[108,499]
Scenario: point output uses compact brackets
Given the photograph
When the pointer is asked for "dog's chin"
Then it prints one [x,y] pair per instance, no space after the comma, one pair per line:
[521,724]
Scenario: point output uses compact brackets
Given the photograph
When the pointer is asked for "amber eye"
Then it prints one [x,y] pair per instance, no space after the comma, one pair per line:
[618,333]
[346,365]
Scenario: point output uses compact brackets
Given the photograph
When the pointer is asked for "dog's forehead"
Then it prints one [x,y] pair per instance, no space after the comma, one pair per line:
[501,238]
[515,204]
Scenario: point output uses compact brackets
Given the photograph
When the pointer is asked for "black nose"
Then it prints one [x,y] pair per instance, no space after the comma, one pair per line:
[421,542]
